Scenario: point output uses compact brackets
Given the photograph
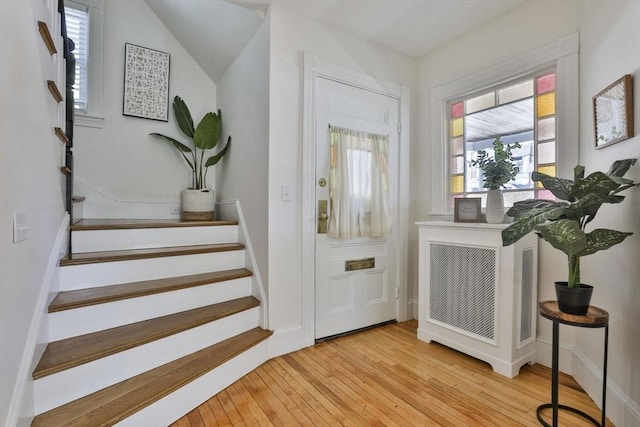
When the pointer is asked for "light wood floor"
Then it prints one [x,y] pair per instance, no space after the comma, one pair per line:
[386,377]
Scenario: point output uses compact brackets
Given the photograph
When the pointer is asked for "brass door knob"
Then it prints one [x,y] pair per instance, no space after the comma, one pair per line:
[323,216]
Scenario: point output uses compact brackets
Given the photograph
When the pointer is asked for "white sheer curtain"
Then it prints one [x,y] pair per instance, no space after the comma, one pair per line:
[360,199]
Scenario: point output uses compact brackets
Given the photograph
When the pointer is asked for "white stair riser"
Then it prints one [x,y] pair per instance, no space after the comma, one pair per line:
[75,277]
[112,240]
[183,400]
[84,320]
[60,388]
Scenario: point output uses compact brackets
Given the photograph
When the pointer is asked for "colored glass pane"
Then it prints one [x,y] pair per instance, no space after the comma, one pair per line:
[457,165]
[546,128]
[457,183]
[457,146]
[548,170]
[547,153]
[515,92]
[546,104]
[457,127]
[481,102]
[546,83]
[545,194]
[457,110]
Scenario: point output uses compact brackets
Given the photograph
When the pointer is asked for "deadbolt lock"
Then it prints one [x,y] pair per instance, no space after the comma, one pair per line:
[322,182]
[323,217]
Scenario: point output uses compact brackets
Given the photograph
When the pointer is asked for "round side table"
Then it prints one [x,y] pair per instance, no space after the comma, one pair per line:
[595,318]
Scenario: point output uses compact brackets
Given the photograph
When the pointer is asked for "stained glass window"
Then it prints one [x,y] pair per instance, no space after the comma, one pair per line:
[521,111]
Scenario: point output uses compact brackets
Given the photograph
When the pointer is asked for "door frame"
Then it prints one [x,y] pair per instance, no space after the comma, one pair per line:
[315,68]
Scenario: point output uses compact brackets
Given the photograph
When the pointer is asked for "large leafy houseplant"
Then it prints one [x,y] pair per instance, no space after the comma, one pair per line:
[204,137]
[499,169]
[563,222]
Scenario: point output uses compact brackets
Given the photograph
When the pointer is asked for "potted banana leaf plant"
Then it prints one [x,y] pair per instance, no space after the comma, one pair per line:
[198,201]
[563,223]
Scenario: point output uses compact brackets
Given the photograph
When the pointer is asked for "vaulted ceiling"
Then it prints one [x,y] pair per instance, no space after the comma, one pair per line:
[214,32]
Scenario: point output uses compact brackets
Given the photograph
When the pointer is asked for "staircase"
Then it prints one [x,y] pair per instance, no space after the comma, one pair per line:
[153,318]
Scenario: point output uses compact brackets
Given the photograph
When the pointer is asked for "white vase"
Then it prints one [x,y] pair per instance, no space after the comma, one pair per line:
[495,207]
[197,205]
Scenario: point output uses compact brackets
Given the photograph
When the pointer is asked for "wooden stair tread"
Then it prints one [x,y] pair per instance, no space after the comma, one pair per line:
[67,300]
[75,351]
[123,224]
[113,404]
[132,254]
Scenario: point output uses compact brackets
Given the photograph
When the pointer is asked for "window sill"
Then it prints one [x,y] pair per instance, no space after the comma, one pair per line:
[86,120]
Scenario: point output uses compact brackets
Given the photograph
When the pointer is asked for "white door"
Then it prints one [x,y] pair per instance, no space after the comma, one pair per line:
[349,299]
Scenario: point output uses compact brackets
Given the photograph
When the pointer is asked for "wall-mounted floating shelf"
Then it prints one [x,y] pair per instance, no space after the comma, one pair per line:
[46,37]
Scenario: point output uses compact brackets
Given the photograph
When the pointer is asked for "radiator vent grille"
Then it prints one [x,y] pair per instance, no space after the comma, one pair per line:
[526,295]
[462,291]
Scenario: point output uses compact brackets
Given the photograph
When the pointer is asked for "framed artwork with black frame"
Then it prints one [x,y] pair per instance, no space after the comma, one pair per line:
[146,83]
[613,112]
[467,209]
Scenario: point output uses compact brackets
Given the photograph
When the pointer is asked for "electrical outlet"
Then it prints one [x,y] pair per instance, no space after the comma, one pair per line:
[175,211]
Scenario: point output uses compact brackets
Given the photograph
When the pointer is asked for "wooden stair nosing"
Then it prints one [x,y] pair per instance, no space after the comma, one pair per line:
[71,352]
[128,224]
[67,300]
[133,254]
[115,403]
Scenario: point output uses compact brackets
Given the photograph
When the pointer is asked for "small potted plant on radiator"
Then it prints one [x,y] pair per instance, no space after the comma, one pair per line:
[198,201]
[563,223]
[498,171]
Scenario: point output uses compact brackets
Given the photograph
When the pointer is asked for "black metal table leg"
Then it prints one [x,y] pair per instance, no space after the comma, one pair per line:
[595,318]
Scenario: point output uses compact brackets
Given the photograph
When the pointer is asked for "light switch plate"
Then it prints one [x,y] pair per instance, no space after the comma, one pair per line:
[20,227]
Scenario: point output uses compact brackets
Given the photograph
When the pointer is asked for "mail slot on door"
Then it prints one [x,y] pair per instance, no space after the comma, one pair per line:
[359,264]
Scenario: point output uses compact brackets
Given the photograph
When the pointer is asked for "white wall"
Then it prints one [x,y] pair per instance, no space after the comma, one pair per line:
[30,182]
[609,35]
[136,175]
[291,35]
[519,31]
[243,97]
[609,31]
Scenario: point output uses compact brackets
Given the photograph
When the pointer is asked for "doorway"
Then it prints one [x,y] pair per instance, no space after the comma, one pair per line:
[374,292]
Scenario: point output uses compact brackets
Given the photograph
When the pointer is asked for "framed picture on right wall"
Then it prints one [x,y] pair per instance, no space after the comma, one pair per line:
[613,112]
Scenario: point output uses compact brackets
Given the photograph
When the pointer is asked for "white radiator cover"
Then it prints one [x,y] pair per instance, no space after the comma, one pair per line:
[477,296]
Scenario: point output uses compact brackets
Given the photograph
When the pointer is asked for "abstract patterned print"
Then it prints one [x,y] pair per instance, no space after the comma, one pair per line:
[146,83]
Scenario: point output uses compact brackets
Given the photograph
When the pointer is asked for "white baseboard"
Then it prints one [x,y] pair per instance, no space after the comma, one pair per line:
[621,409]
[285,340]
[565,355]
[21,407]
[413,308]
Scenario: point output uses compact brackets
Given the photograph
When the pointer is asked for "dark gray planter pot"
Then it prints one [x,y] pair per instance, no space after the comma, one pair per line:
[573,300]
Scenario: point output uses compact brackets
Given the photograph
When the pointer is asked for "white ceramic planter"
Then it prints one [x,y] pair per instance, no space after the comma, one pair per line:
[198,205]
[495,207]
